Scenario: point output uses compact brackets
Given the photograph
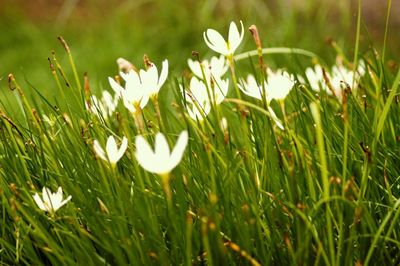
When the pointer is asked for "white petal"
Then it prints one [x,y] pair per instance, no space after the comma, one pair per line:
[180,146]
[277,121]
[236,39]
[115,86]
[99,150]
[164,74]
[112,149]
[64,202]
[122,148]
[161,149]
[46,195]
[145,155]
[149,80]
[57,198]
[195,68]
[39,202]
[144,101]
[251,88]
[218,66]
[215,41]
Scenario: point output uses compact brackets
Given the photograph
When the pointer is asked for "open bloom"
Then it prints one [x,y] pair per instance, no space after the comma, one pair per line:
[140,86]
[277,86]
[216,67]
[216,42]
[133,96]
[112,153]
[51,202]
[160,160]
[103,107]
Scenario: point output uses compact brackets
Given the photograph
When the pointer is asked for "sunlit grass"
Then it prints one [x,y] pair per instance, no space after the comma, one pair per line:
[257,176]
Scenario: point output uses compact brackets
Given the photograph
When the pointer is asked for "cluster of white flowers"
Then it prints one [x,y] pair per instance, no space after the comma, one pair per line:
[338,77]
[140,86]
[145,155]
[207,88]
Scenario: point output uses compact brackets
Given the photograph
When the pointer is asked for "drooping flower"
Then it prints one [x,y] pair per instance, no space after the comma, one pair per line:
[161,160]
[124,65]
[51,201]
[216,42]
[103,107]
[216,67]
[112,154]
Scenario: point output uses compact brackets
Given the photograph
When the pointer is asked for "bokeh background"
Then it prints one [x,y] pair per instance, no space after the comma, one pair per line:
[99,31]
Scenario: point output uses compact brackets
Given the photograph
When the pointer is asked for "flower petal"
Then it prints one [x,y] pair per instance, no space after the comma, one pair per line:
[215,41]
[62,203]
[179,149]
[112,149]
[164,74]
[234,37]
[116,87]
[161,149]
[39,202]
[122,148]
[145,155]
[99,150]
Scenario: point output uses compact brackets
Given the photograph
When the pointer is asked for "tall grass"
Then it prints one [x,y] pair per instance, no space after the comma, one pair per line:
[325,190]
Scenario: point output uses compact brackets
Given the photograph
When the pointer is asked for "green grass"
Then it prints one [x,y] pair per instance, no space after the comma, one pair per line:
[324,191]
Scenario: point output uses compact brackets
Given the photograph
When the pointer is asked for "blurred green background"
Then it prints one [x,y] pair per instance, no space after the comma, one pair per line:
[99,31]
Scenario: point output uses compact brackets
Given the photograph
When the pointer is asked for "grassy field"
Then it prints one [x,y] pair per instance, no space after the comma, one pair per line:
[296,166]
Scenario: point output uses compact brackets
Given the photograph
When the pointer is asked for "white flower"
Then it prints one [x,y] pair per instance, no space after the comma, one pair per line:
[216,42]
[160,161]
[280,83]
[277,86]
[103,107]
[112,153]
[197,103]
[251,88]
[217,67]
[218,89]
[133,96]
[51,201]
[198,97]
[151,82]
[342,74]
[315,77]
[337,76]
[139,87]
